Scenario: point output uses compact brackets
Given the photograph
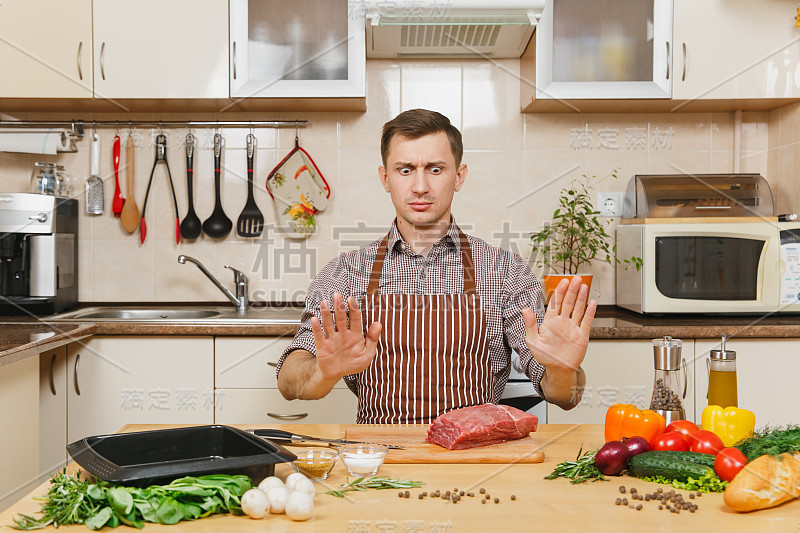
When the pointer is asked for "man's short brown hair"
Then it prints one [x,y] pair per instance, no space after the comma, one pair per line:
[416,123]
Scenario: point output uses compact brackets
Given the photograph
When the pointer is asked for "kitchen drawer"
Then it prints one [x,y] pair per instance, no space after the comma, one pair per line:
[249,362]
[257,406]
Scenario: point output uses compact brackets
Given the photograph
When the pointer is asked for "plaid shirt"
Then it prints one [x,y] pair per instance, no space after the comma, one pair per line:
[504,283]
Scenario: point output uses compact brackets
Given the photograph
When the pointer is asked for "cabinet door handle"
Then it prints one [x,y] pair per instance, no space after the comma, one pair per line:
[52,378]
[667,60]
[288,417]
[234,59]
[80,70]
[273,364]
[77,385]
[685,62]
[103,57]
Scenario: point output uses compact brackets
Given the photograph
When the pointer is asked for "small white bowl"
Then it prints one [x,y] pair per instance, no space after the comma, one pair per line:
[363,459]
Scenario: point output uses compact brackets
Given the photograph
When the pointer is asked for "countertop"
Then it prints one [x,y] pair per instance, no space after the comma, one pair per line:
[552,505]
[22,336]
[19,340]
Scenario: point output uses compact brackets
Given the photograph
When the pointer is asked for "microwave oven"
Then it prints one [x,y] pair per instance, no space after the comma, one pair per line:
[699,266]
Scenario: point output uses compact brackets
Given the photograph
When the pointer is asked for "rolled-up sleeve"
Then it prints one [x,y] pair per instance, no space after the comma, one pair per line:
[522,289]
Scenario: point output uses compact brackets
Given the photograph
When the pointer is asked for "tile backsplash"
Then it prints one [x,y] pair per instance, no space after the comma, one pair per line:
[517,165]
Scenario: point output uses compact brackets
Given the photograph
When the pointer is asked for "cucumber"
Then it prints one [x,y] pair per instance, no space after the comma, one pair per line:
[651,464]
[705,459]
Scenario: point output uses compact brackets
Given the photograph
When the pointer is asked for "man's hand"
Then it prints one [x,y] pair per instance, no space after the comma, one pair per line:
[560,342]
[342,350]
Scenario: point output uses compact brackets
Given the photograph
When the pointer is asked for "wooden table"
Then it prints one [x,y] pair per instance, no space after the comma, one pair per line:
[541,505]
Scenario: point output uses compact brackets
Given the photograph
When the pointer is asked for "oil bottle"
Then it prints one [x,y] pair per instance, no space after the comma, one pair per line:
[722,389]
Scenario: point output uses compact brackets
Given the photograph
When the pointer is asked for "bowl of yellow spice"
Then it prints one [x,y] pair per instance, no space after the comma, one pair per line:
[315,463]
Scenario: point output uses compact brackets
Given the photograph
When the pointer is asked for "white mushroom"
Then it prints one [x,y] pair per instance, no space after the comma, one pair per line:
[255,503]
[277,499]
[270,482]
[292,480]
[304,485]
[299,506]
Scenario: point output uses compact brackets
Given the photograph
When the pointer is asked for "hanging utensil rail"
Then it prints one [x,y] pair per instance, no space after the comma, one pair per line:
[78,127]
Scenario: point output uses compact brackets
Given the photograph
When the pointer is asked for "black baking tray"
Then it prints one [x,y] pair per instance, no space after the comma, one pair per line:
[160,456]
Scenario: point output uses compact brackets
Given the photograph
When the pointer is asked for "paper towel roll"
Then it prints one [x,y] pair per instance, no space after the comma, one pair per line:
[34,141]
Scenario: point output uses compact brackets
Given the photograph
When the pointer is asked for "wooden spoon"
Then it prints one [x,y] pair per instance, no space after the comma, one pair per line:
[130,211]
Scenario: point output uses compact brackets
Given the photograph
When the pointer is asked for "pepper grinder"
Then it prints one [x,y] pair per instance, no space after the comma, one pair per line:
[667,393]
[722,388]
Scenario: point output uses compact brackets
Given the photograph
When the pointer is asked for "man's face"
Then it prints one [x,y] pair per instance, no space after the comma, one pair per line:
[421,176]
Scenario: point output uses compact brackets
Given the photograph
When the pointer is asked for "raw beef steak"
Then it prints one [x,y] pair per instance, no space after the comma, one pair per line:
[480,425]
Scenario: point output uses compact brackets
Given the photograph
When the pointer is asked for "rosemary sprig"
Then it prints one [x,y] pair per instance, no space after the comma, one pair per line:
[580,470]
[378,482]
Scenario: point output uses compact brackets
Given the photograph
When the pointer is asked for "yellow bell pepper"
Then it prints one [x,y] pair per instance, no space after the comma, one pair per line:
[730,424]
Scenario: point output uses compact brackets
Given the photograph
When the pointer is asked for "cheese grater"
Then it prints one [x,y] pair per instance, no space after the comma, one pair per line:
[94,185]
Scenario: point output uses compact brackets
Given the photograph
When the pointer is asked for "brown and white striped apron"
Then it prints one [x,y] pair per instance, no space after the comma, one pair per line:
[432,355]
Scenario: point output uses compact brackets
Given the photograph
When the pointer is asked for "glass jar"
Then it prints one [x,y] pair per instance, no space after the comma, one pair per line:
[63,182]
[722,389]
[43,178]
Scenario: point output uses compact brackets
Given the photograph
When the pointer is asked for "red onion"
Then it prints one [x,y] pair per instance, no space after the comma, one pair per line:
[612,458]
[636,445]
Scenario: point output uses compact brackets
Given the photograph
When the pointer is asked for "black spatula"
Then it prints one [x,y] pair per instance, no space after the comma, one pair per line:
[251,221]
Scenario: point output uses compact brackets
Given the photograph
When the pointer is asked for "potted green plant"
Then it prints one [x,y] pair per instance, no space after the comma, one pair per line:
[574,238]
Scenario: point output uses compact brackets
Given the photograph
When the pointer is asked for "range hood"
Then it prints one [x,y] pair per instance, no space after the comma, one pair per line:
[450,28]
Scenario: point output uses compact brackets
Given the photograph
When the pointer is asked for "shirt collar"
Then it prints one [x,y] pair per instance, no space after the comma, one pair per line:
[450,238]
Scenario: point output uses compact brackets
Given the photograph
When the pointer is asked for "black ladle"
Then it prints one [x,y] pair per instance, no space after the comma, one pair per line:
[217,225]
[191,225]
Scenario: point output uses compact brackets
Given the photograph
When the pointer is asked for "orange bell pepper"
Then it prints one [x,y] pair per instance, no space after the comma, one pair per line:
[626,420]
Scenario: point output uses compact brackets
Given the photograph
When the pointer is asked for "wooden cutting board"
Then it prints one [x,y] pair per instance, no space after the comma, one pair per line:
[417,450]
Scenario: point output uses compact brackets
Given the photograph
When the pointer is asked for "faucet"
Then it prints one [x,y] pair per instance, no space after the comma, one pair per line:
[240,299]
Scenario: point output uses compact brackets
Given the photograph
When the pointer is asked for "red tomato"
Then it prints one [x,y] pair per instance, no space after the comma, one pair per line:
[728,463]
[705,442]
[684,427]
[673,441]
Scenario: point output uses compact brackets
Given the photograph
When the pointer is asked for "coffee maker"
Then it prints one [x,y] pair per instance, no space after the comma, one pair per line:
[38,253]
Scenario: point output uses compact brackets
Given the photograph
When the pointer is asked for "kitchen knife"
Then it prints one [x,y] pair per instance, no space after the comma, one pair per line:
[277,434]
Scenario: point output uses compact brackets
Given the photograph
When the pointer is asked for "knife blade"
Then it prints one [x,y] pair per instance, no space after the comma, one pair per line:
[278,434]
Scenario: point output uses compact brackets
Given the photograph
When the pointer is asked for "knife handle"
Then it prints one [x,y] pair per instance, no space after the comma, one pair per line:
[274,433]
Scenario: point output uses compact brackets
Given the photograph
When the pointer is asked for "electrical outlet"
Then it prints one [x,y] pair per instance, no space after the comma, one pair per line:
[609,204]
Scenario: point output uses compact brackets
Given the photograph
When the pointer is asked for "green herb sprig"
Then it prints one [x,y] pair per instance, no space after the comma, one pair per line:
[770,441]
[72,500]
[378,482]
[580,470]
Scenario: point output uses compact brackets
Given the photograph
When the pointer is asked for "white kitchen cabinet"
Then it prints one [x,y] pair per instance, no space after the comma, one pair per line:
[766,371]
[52,411]
[115,381]
[247,387]
[46,49]
[19,396]
[152,49]
[595,50]
[267,406]
[298,49]
[620,371]
[732,49]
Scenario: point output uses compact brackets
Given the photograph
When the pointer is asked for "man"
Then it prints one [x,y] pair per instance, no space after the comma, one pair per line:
[424,320]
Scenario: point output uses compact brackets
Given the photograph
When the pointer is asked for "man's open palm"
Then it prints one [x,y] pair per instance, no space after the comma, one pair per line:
[560,342]
[343,350]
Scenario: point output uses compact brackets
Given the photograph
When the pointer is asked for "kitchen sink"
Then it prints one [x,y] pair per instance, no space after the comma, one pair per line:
[183,315]
[147,314]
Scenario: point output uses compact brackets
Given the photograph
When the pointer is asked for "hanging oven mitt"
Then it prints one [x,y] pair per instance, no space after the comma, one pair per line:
[299,191]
